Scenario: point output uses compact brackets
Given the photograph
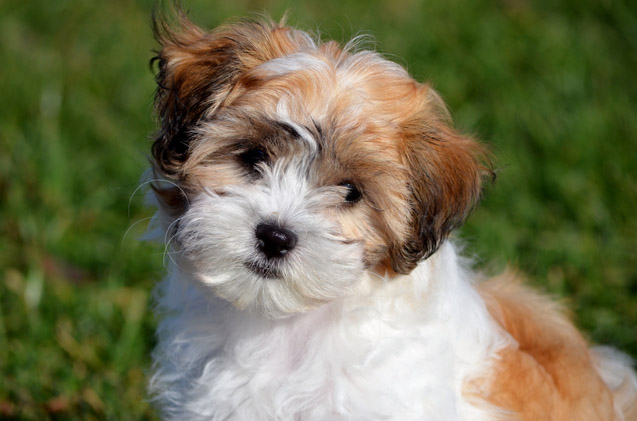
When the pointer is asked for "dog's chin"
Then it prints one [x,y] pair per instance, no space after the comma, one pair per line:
[267,271]
[274,292]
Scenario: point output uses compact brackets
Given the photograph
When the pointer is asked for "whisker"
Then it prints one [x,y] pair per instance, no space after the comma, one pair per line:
[170,227]
[131,227]
[168,240]
[158,180]
[169,253]
[213,193]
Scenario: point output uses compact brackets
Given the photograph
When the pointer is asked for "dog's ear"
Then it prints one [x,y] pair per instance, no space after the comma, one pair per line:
[445,172]
[197,71]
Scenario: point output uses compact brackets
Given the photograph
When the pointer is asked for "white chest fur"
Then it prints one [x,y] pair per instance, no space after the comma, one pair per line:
[402,348]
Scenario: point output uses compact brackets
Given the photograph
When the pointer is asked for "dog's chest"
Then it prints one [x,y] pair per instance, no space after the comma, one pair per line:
[325,366]
[379,357]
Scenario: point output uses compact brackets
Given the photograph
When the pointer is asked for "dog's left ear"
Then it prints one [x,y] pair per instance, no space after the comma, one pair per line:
[445,177]
[198,69]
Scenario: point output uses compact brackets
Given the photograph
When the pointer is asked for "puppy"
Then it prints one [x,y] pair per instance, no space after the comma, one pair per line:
[306,191]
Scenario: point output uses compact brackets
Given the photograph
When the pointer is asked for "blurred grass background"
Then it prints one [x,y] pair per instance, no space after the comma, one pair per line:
[551,86]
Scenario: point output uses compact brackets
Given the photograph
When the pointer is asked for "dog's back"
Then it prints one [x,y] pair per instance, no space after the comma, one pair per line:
[564,379]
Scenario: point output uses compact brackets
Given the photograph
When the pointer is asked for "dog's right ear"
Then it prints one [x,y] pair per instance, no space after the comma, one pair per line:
[197,71]
[446,170]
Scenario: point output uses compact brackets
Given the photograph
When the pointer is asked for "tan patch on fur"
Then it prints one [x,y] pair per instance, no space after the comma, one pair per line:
[550,375]
[446,171]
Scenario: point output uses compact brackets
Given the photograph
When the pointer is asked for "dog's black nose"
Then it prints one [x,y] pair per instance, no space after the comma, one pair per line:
[274,241]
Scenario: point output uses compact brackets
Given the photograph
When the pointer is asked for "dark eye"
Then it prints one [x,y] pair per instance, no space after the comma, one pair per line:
[353,195]
[253,157]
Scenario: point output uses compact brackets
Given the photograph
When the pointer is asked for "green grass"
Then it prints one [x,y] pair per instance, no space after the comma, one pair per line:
[550,87]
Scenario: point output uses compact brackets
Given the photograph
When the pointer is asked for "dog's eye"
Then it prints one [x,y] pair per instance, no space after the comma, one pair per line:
[353,195]
[253,157]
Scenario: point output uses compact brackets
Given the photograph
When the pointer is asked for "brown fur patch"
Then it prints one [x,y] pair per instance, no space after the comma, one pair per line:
[197,71]
[550,374]
[446,171]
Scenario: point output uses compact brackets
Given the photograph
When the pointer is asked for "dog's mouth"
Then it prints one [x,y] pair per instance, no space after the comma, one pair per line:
[265,271]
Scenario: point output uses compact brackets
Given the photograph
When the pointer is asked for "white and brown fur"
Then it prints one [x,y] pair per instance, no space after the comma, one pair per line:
[372,314]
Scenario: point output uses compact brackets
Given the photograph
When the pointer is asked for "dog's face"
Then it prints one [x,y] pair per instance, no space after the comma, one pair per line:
[300,165]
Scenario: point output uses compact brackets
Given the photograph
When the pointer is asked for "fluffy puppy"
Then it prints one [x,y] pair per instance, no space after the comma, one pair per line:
[306,191]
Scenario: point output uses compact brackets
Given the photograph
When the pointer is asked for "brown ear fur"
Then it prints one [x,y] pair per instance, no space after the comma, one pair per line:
[446,170]
[197,71]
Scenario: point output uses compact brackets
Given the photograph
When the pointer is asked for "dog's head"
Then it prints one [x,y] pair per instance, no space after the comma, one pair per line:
[296,165]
